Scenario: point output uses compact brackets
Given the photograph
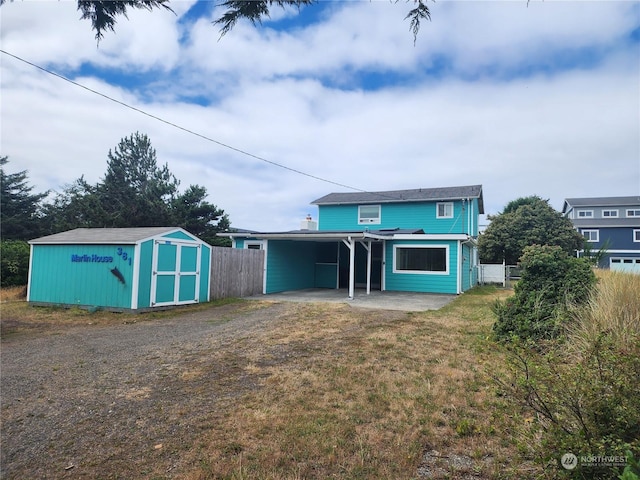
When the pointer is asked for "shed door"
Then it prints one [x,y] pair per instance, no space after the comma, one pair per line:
[176,273]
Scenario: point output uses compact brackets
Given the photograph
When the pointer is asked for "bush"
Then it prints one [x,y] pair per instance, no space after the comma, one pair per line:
[14,263]
[551,283]
[584,391]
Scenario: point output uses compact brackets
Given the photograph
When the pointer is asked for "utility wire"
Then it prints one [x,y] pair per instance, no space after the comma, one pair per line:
[238,150]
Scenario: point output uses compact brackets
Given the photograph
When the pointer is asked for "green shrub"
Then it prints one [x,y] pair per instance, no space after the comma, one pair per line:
[584,391]
[14,263]
[551,282]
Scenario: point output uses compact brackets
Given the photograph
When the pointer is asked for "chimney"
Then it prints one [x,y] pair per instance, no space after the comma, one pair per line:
[308,224]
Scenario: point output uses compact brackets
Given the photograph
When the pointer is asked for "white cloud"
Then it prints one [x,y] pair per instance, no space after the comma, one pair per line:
[545,132]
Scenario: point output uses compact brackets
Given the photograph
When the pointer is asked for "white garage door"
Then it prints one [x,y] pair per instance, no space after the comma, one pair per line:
[631,265]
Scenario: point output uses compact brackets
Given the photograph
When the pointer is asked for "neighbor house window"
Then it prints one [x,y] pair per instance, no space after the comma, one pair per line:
[253,245]
[420,259]
[636,235]
[610,213]
[369,214]
[445,210]
[585,213]
[633,212]
[591,235]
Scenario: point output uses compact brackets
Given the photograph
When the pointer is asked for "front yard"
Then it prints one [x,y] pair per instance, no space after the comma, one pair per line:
[256,390]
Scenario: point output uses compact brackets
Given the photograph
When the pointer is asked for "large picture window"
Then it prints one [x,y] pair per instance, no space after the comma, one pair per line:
[368,214]
[420,259]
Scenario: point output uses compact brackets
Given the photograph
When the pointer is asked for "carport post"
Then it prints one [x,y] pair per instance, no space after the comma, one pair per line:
[367,247]
[352,257]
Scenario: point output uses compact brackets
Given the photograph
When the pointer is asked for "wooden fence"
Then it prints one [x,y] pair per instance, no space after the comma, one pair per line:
[236,272]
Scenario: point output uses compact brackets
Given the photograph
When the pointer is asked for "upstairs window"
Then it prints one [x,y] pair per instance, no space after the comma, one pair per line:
[444,210]
[636,235]
[585,213]
[633,212]
[591,235]
[610,213]
[368,214]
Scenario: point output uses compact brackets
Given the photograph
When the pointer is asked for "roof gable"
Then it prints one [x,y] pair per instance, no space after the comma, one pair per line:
[400,196]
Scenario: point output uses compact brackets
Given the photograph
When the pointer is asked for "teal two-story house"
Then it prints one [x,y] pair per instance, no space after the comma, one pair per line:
[419,240]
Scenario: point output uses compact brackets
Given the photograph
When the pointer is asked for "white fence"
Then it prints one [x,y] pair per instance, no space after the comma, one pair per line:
[493,274]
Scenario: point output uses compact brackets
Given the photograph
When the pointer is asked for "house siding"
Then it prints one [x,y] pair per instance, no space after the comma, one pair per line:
[290,265]
[57,278]
[419,282]
[620,238]
[411,215]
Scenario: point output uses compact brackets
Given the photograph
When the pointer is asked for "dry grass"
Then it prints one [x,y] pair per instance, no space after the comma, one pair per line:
[367,398]
[17,317]
[343,393]
[613,307]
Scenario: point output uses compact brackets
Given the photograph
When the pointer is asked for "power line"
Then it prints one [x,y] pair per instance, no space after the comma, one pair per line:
[209,139]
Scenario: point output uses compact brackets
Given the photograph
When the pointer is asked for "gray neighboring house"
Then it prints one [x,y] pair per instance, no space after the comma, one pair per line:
[610,222]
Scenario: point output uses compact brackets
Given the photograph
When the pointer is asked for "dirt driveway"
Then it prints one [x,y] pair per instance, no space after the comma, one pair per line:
[77,400]
[128,400]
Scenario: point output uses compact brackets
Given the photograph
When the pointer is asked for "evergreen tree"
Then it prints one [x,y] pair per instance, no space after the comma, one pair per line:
[136,192]
[200,217]
[524,222]
[19,208]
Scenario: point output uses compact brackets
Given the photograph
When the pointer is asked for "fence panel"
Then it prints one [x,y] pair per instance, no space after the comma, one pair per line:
[492,273]
[236,272]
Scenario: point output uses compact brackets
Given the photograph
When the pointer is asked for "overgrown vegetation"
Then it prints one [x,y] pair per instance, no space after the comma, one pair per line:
[583,391]
[552,282]
[14,262]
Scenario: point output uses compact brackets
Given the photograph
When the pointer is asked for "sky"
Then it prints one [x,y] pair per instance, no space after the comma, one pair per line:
[525,98]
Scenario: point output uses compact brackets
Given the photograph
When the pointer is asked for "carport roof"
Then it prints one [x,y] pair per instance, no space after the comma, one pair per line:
[104,235]
[380,234]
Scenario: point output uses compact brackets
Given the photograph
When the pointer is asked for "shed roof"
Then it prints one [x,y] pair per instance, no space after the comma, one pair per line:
[104,235]
[413,195]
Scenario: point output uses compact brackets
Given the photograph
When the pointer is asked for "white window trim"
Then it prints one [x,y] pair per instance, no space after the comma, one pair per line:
[636,235]
[260,243]
[370,221]
[633,212]
[597,232]
[420,272]
[438,210]
[614,212]
[589,212]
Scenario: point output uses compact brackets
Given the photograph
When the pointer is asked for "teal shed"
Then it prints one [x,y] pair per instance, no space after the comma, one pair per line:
[119,268]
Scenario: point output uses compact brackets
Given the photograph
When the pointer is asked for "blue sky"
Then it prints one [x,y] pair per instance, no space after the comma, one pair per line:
[526,99]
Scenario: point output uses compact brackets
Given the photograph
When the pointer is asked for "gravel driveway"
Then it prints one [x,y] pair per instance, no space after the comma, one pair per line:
[66,395]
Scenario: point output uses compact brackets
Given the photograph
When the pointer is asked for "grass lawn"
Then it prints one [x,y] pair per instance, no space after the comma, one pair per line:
[384,395]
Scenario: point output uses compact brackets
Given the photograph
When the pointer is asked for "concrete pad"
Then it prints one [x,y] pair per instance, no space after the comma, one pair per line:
[404,301]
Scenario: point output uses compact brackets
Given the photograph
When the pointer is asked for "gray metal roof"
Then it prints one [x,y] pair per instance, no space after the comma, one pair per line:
[570,203]
[395,196]
[104,235]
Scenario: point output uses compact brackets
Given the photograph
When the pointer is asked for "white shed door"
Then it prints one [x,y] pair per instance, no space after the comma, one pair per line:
[176,273]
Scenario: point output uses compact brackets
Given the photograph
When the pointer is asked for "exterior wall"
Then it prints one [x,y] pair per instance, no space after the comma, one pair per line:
[403,215]
[422,282]
[597,211]
[81,275]
[290,265]
[620,238]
